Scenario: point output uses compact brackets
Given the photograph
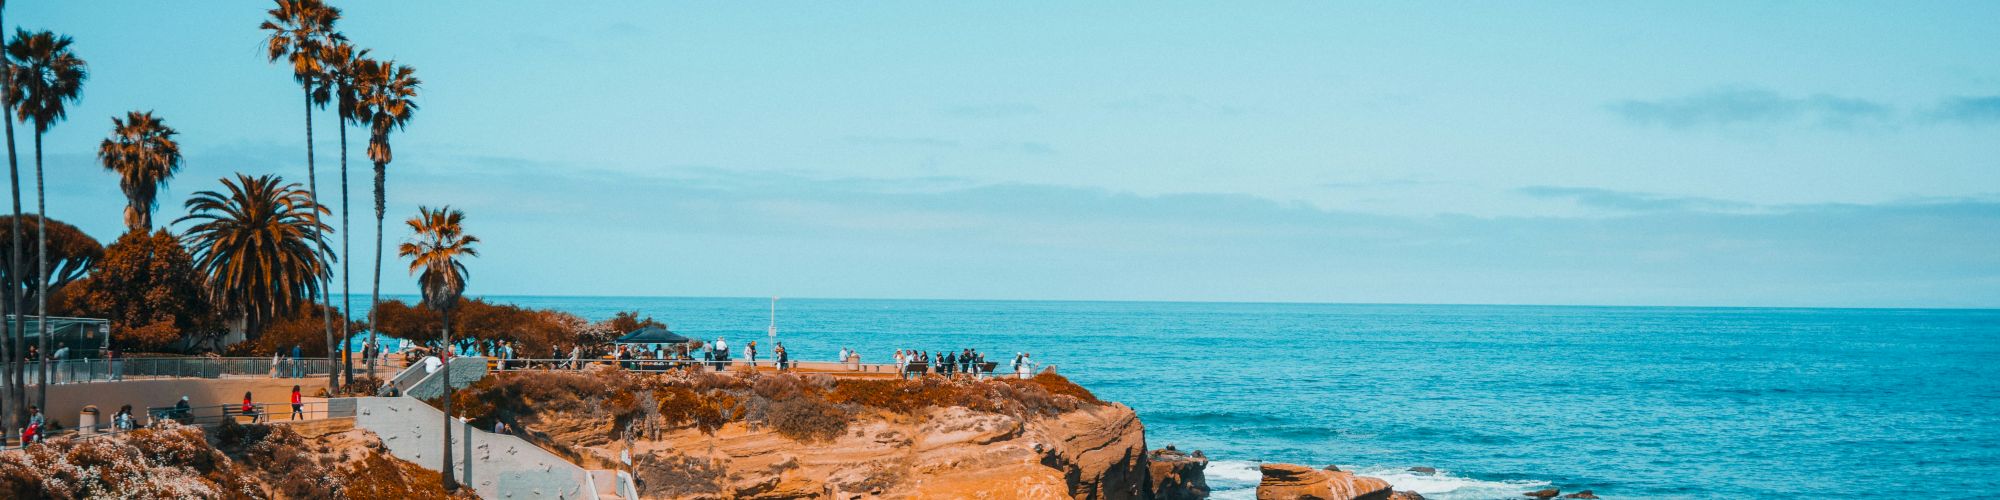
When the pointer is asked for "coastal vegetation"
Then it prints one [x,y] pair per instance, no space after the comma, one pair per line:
[148,287]
[436,252]
[142,151]
[611,402]
[253,255]
[46,78]
[259,243]
[301,31]
[234,461]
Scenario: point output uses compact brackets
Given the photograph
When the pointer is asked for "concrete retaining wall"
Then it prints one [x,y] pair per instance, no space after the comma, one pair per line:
[494,465]
[67,400]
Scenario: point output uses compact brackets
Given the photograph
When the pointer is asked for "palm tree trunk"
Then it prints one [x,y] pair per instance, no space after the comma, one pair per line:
[41,282]
[375,292]
[450,483]
[346,304]
[312,189]
[10,365]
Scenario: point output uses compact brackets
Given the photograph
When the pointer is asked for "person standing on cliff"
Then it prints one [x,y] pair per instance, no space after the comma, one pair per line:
[750,353]
[784,362]
[902,365]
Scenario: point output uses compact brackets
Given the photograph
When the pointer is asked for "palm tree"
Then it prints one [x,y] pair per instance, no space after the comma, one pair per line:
[434,250]
[47,77]
[142,151]
[387,93]
[10,336]
[344,63]
[260,244]
[301,32]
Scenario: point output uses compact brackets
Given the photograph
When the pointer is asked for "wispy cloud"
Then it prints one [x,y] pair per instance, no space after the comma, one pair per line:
[1174,103]
[735,231]
[1406,182]
[993,110]
[1627,201]
[1026,148]
[1734,106]
[917,142]
[1980,110]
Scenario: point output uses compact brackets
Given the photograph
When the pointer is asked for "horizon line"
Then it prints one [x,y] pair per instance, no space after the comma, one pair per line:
[1241,302]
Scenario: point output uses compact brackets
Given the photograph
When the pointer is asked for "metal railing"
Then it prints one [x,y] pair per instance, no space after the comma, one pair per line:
[261,413]
[106,370]
[205,415]
[914,368]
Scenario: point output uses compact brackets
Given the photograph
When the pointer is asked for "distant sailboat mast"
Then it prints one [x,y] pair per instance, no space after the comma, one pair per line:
[774,317]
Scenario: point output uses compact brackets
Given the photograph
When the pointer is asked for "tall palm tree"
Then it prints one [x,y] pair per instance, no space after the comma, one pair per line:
[47,77]
[260,244]
[301,31]
[11,334]
[142,151]
[388,97]
[435,247]
[344,63]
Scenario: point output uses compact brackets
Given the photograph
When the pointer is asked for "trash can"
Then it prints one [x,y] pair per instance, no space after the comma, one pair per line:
[86,421]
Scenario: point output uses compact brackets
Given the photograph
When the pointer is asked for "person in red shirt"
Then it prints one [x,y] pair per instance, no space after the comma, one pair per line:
[298,404]
[249,408]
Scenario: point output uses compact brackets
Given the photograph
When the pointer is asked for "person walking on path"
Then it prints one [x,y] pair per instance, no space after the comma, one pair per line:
[750,353]
[784,363]
[298,404]
[297,371]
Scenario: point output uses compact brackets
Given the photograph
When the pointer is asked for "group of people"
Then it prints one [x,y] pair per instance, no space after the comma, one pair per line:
[912,363]
[715,355]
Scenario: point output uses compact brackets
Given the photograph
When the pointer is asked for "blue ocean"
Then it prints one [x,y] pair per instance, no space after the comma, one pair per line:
[1632,402]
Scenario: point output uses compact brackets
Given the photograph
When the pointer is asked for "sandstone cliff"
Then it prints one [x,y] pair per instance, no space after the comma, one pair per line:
[781,436]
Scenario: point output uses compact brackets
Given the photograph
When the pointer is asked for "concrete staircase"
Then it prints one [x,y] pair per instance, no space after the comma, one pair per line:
[494,465]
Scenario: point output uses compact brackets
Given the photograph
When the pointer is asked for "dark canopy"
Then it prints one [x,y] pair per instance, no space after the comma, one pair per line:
[652,335]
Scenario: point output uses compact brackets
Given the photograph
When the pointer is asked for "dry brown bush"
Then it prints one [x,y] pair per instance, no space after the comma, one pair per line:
[808,419]
[676,476]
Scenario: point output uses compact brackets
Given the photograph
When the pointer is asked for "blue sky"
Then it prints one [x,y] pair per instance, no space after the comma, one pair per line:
[1725,153]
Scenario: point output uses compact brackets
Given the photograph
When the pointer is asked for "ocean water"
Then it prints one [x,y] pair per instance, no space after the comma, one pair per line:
[1633,402]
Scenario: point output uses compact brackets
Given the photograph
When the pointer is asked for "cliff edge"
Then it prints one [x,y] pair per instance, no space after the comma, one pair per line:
[701,435]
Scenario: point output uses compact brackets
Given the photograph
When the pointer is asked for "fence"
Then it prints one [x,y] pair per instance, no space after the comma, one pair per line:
[913,368]
[205,415]
[102,370]
[260,412]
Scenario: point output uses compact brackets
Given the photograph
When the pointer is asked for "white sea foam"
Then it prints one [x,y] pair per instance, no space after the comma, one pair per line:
[1237,480]
[1445,486]
[1232,479]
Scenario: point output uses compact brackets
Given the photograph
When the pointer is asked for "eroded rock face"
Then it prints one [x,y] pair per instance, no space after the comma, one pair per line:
[1091,453]
[1178,476]
[1289,482]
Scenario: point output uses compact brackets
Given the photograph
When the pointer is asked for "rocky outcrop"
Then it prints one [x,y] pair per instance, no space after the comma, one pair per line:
[1178,476]
[1585,494]
[1546,493]
[1091,453]
[1289,482]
